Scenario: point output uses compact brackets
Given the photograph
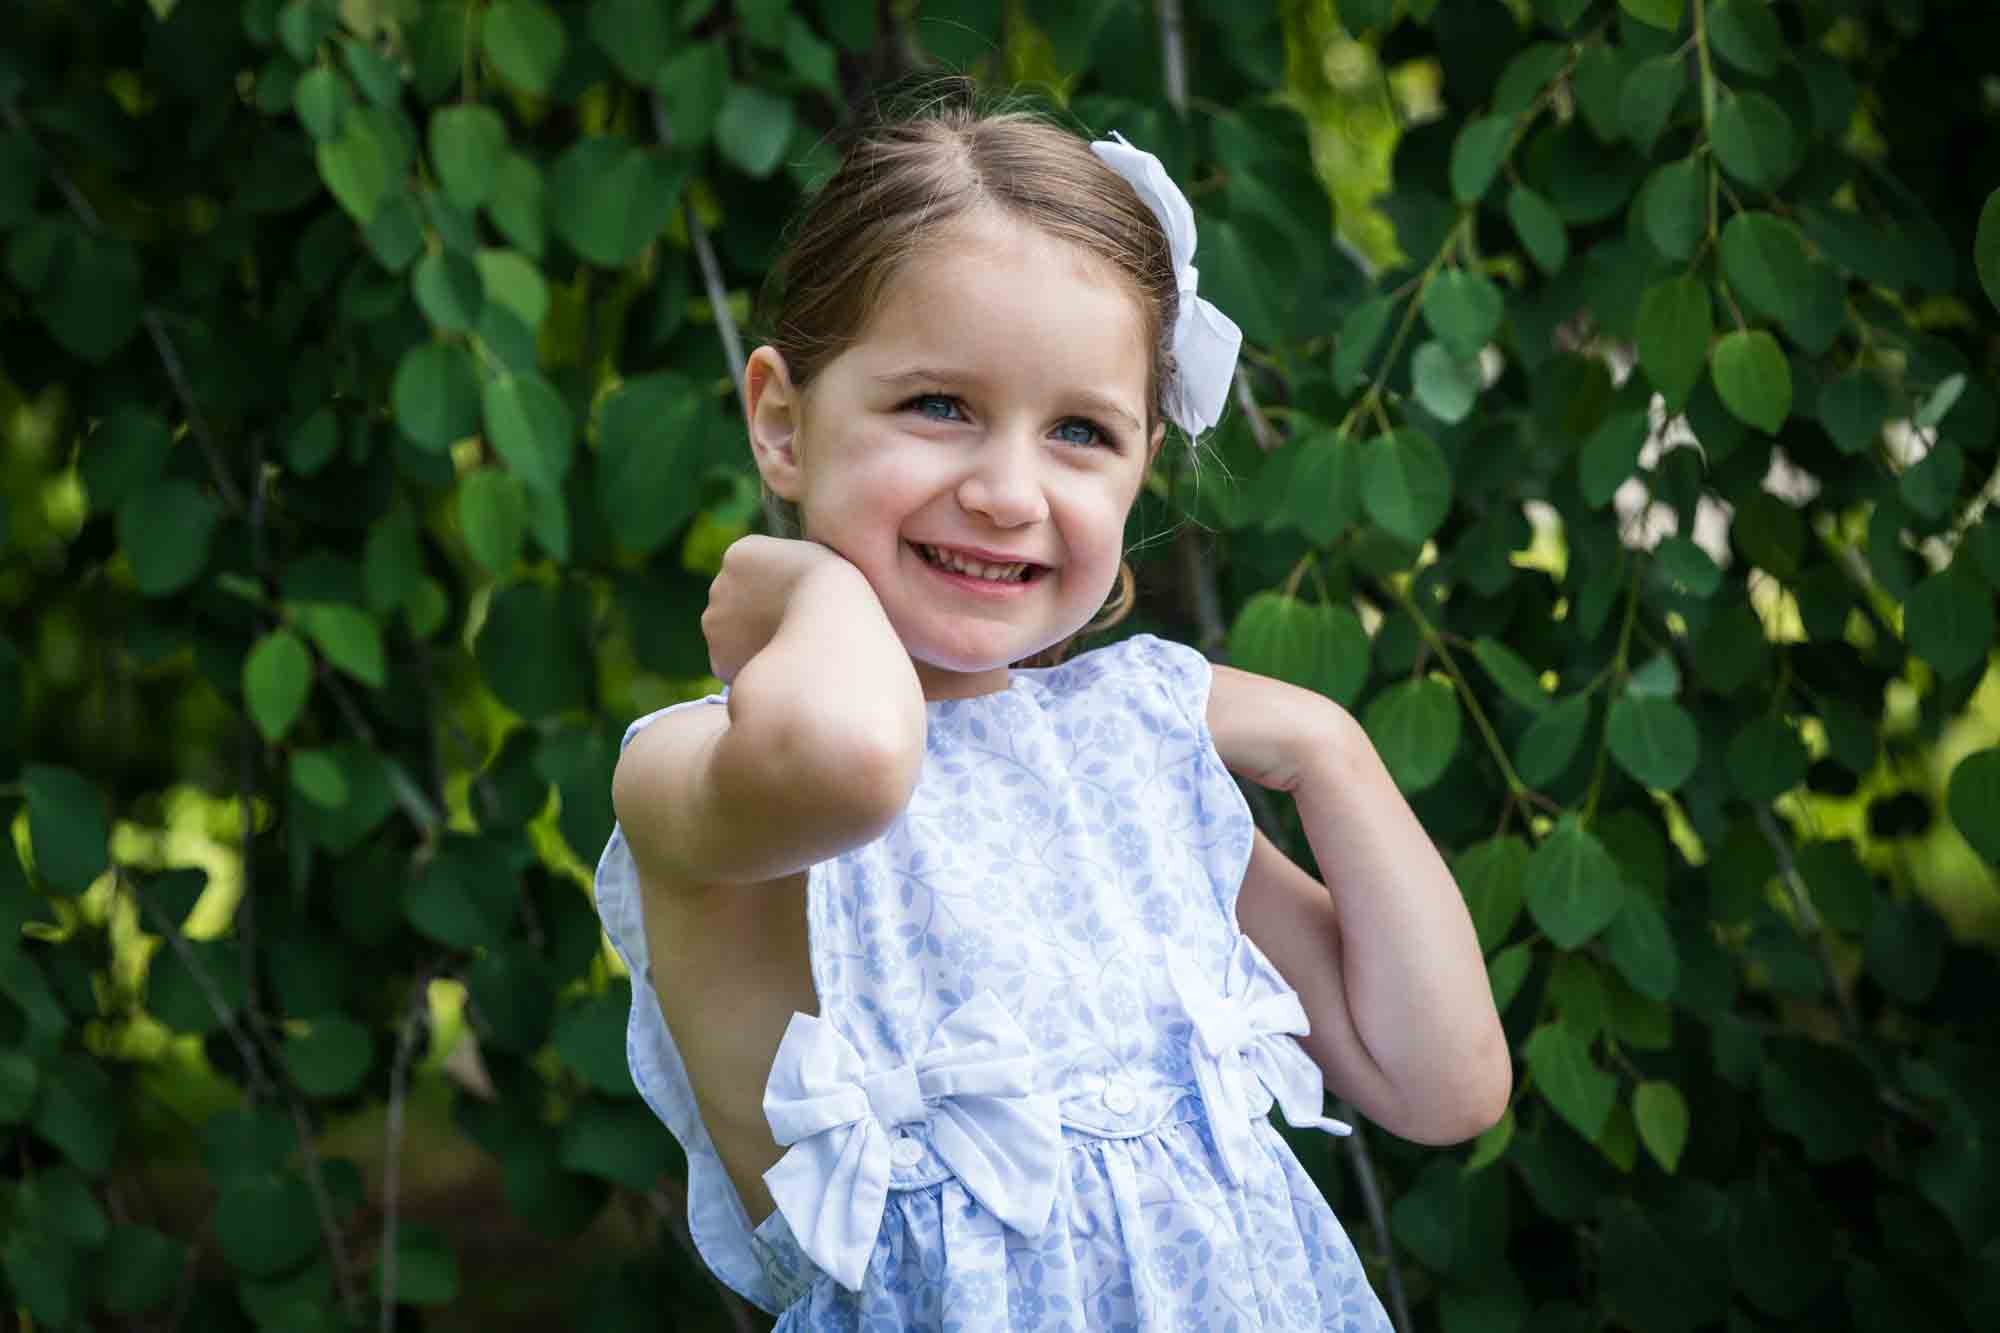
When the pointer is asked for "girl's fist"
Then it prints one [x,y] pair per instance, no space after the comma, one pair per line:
[760,576]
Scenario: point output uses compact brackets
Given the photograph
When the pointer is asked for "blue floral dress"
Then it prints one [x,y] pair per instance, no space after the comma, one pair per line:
[1036,1094]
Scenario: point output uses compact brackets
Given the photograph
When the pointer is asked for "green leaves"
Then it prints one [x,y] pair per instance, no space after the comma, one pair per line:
[1654,740]
[464,896]
[348,638]
[647,435]
[1361,333]
[364,164]
[1853,408]
[1948,621]
[493,515]
[1766,759]
[1514,677]
[1650,94]
[86,288]
[752,129]
[435,395]
[1463,309]
[636,34]
[1746,34]
[1610,455]
[1581,1093]
[277,677]
[1675,323]
[67,827]
[1764,259]
[1754,140]
[265,1223]
[1571,885]
[1540,228]
[1660,1113]
[1447,388]
[609,198]
[530,426]
[1414,725]
[468,143]
[1312,645]
[1547,747]
[1986,247]
[330,1058]
[1974,802]
[441,425]
[165,529]
[526,43]
[426,1268]
[1406,484]
[533,649]
[1671,207]
[1753,379]
[1490,875]
[449,290]
[1476,156]
[1660,14]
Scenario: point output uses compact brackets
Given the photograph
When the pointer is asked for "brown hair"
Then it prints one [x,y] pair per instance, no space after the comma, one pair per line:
[902,179]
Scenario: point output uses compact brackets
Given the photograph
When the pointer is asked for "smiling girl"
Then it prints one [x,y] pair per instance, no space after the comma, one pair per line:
[968,988]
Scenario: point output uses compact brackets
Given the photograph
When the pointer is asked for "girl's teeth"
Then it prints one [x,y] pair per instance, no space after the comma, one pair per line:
[977,568]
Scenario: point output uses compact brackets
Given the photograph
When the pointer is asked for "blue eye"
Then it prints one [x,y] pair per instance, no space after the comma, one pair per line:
[923,404]
[1090,432]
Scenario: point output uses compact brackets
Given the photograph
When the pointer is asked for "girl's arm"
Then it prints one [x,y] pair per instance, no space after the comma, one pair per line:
[818,748]
[1383,955]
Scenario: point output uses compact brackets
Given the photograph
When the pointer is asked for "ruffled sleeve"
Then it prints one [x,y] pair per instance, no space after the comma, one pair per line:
[716,1218]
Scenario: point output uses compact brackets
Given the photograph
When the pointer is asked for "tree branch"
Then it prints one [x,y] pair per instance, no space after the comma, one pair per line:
[1378,1222]
[1198,578]
[155,328]
[392,1148]
[669,1201]
[1173,53]
[711,270]
[1809,922]
[246,934]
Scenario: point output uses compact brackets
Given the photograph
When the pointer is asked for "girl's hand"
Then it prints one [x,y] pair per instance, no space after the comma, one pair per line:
[1266,730]
[748,599]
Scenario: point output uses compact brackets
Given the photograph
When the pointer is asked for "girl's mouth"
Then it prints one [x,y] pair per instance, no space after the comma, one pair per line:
[964,566]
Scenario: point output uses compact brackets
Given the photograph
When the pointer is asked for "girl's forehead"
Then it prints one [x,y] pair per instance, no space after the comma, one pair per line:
[993,290]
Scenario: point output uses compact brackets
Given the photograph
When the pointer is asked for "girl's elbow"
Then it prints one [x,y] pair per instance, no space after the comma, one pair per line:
[1470,1104]
[1486,1091]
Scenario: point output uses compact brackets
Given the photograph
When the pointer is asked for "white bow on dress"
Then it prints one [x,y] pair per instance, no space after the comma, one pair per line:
[974,1085]
[1243,1046]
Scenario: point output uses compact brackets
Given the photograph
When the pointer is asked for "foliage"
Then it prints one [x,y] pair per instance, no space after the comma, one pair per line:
[370,435]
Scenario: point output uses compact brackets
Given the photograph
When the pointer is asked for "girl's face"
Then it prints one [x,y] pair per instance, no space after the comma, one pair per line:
[976,451]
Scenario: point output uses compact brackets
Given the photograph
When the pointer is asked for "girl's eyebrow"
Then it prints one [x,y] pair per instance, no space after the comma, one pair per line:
[1090,398]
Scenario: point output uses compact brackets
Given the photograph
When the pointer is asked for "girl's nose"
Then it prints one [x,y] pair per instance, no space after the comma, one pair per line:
[1004,483]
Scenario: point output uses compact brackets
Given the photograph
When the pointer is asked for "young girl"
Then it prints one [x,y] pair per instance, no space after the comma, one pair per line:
[966,988]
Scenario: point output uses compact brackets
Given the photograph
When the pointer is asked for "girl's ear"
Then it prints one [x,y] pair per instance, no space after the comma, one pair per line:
[1159,438]
[773,408]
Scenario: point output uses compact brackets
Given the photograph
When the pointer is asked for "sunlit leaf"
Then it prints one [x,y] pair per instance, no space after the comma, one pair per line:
[1661,1113]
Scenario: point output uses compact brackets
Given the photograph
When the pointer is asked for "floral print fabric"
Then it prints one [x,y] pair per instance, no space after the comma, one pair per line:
[1072,851]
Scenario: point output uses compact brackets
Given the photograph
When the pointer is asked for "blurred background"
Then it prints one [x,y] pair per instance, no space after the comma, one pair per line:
[1614,436]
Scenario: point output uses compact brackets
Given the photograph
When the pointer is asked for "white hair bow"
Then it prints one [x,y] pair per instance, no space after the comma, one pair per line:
[1205,341]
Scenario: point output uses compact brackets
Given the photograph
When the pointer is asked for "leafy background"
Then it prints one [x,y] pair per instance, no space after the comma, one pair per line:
[1613,437]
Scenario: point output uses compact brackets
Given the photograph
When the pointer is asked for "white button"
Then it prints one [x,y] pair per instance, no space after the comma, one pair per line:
[1120,1097]
[907,1152]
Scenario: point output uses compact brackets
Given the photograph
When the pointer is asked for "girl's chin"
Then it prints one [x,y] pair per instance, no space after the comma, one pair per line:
[973,660]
